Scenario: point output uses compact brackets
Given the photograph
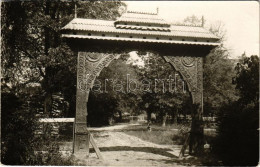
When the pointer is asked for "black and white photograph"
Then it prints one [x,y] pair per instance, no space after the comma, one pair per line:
[129,83]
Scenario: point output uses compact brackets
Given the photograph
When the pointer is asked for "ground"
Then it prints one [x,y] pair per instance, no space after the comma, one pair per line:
[121,149]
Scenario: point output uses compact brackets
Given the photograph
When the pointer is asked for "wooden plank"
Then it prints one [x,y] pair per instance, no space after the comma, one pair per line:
[95,147]
[73,135]
[184,147]
[53,120]
[87,145]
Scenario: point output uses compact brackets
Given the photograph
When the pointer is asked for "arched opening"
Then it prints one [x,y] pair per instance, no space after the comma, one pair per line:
[156,90]
[148,74]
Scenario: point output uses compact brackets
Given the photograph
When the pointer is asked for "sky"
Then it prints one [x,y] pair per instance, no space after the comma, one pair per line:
[240,19]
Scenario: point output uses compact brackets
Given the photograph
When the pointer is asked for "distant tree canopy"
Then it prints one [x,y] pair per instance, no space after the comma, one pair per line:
[149,90]
[109,94]
[163,98]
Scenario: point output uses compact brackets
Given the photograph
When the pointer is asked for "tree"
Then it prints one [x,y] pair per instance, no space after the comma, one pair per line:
[217,78]
[194,20]
[247,79]
[163,98]
[34,49]
[218,70]
[34,56]
[218,74]
[237,140]
[109,93]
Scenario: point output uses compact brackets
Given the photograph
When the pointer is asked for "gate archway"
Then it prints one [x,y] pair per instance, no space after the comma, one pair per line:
[98,42]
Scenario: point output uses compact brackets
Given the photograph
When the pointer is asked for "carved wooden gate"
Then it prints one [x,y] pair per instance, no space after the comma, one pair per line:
[98,42]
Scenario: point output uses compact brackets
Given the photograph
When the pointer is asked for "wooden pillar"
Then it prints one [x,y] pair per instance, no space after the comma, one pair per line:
[191,69]
[89,66]
[80,143]
[196,142]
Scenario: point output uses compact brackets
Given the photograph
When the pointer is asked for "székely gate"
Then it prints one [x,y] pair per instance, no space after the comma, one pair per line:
[98,42]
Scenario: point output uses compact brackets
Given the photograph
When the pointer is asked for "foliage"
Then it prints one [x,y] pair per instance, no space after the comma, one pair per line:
[217,81]
[37,65]
[101,109]
[46,150]
[218,74]
[237,141]
[247,79]
[17,129]
[194,20]
[106,99]
[218,70]
[162,97]
[33,50]
[19,141]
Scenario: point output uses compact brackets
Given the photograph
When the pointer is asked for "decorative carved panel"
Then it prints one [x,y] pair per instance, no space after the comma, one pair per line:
[90,64]
[191,70]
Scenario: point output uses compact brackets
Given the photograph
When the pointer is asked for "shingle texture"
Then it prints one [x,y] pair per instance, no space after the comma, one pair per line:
[139,24]
[142,18]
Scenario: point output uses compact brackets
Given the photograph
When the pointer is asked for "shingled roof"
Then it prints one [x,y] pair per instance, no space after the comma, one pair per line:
[139,27]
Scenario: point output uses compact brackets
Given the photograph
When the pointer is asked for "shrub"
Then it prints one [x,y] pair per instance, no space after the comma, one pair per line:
[237,140]
[19,144]
[100,109]
[237,135]
[17,130]
[46,150]
[182,134]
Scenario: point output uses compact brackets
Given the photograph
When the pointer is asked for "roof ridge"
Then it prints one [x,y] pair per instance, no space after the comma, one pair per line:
[139,12]
[96,19]
[142,18]
[183,24]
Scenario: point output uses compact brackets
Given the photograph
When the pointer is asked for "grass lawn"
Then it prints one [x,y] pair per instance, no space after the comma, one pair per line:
[173,134]
[159,135]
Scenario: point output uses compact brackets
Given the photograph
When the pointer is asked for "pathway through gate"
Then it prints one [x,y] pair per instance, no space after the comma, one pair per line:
[120,149]
[98,42]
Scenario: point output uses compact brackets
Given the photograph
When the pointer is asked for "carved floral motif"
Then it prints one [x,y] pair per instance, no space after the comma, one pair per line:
[192,72]
[188,61]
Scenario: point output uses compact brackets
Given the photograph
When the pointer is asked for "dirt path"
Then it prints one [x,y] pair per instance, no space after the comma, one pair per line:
[120,149]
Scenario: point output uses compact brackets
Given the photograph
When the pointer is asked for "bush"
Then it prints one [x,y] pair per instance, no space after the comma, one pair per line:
[100,109]
[237,140]
[17,130]
[19,144]
[181,136]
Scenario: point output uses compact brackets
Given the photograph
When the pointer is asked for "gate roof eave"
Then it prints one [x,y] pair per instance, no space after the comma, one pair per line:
[139,27]
[139,40]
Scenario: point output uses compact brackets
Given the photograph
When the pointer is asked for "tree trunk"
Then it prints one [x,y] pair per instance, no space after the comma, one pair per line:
[176,117]
[172,115]
[120,116]
[46,30]
[149,115]
[164,118]
[197,132]
[48,104]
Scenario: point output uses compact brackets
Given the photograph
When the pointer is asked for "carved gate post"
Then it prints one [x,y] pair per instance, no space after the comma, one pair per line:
[191,69]
[80,142]
[90,65]
[196,144]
